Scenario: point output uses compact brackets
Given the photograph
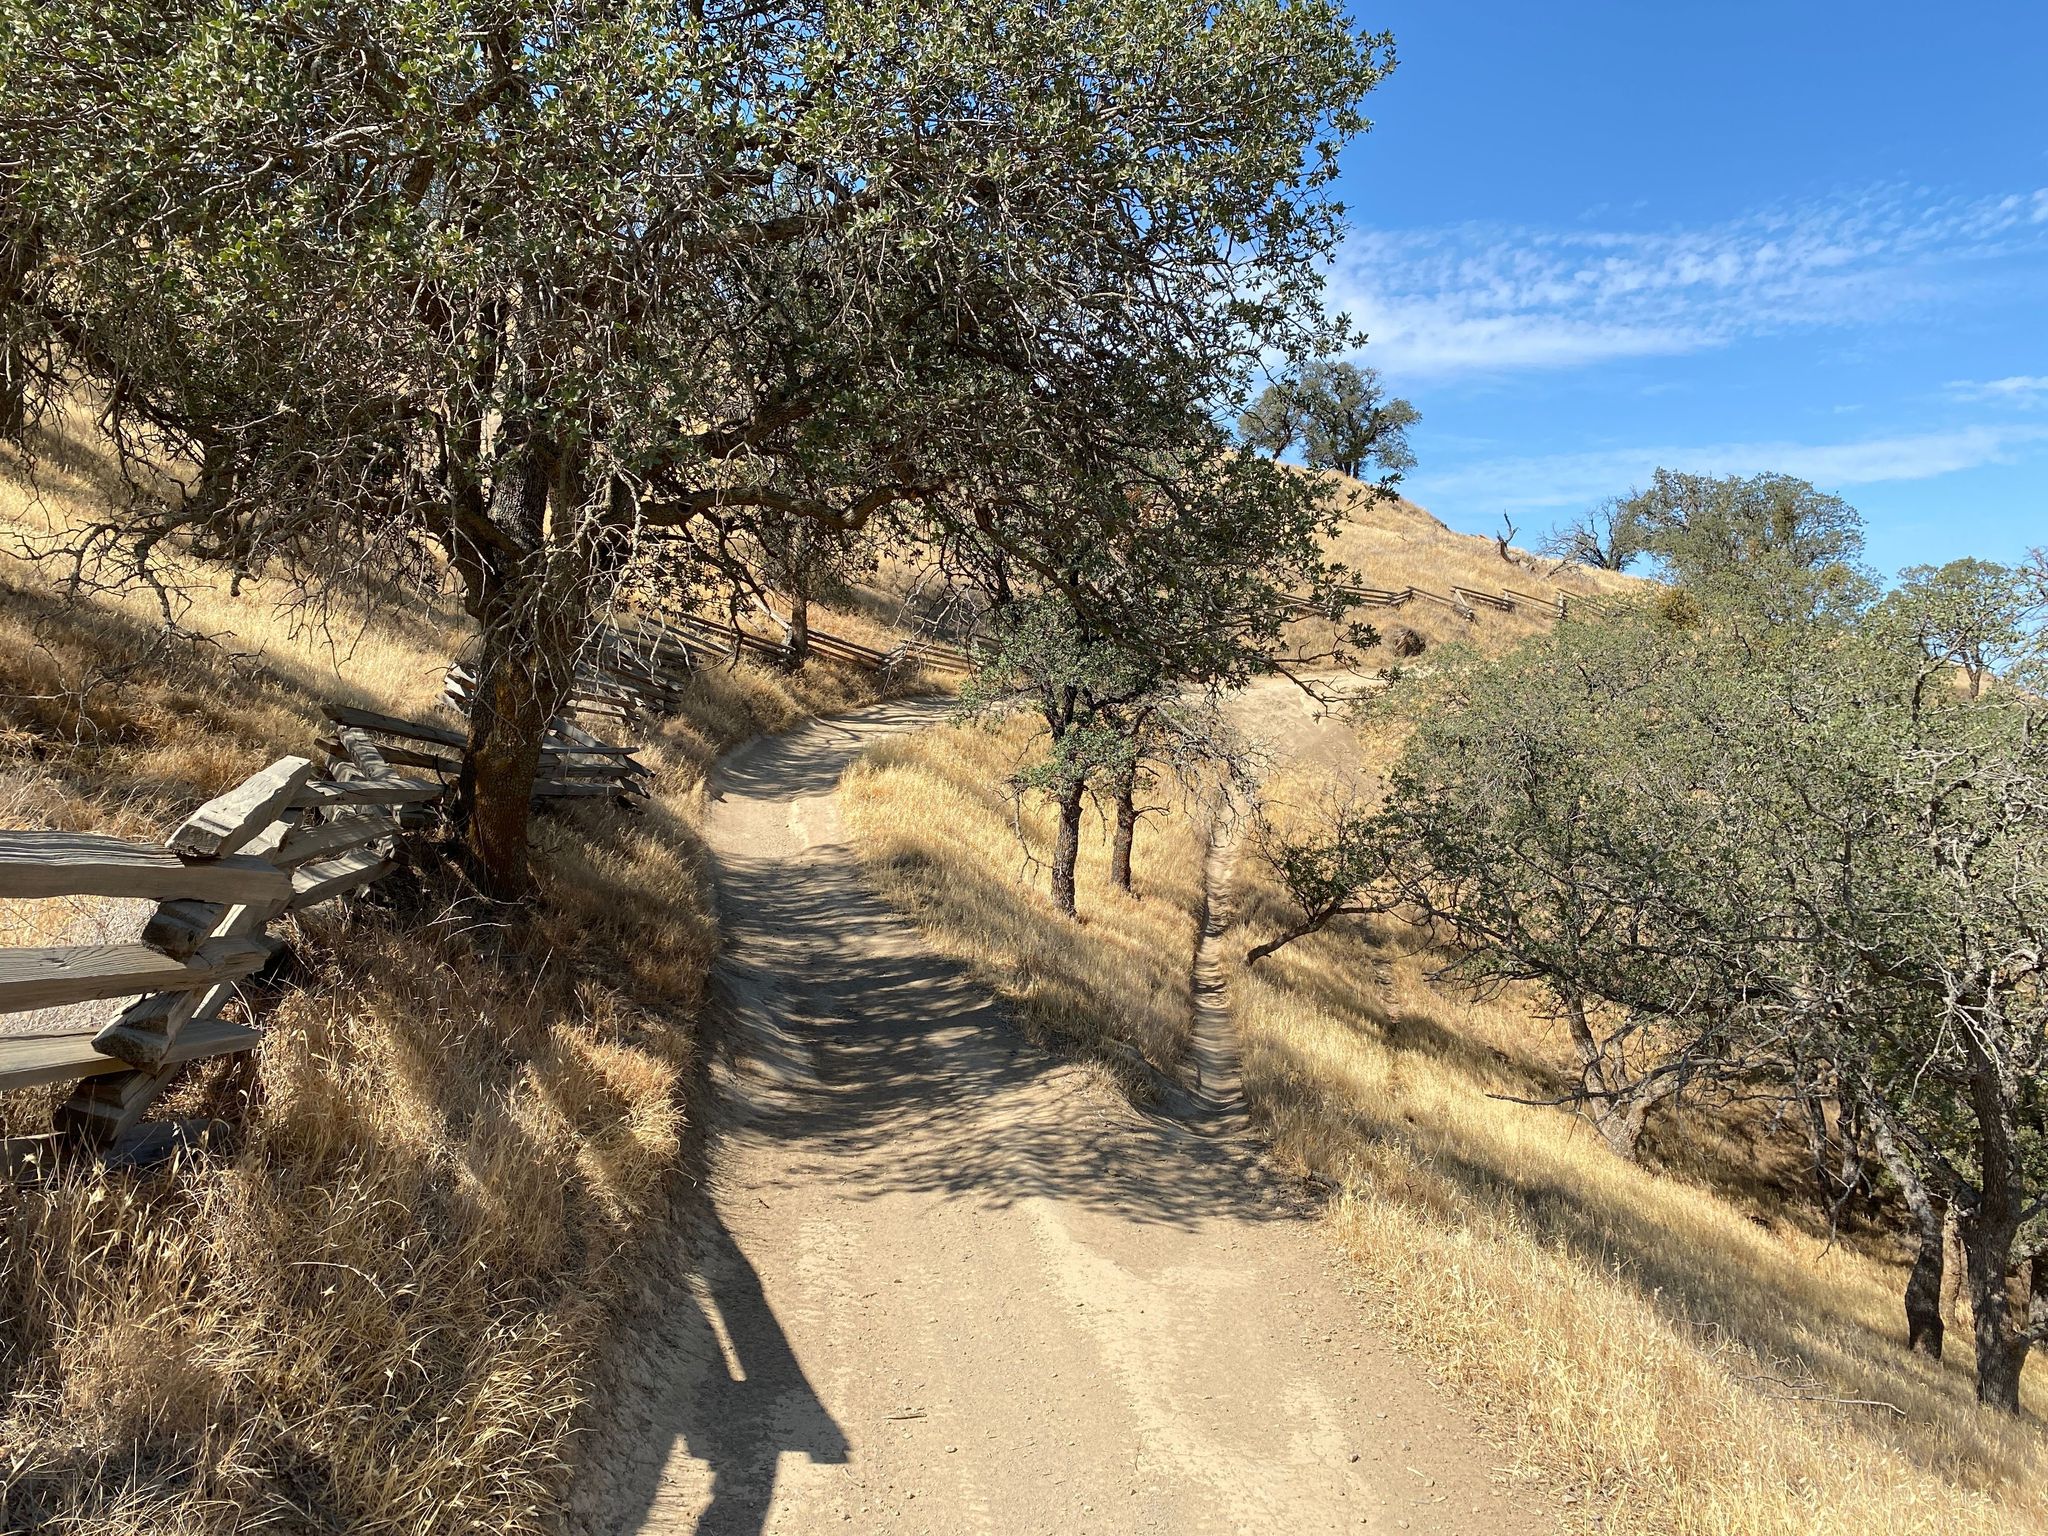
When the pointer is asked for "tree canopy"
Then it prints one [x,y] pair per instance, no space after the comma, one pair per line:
[1610,536]
[552,285]
[1125,607]
[1341,415]
[1748,836]
[1754,541]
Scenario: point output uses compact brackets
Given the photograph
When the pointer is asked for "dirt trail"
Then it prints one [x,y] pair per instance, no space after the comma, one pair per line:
[946,1284]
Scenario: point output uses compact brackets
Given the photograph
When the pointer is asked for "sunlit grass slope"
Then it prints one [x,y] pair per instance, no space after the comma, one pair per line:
[1681,1361]
[1391,543]
[940,835]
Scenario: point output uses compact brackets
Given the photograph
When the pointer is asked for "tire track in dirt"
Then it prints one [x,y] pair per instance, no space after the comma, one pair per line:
[1217,1099]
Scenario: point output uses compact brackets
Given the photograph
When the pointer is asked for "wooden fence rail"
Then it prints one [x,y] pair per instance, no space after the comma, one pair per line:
[1464,600]
[288,838]
[291,837]
[636,667]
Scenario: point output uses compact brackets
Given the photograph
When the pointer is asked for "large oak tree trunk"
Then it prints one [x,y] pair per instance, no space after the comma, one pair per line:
[509,711]
[2001,1293]
[799,638]
[2001,1299]
[1617,1109]
[1929,1282]
[530,595]
[1066,851]
[1954,1265]
[1620,1124]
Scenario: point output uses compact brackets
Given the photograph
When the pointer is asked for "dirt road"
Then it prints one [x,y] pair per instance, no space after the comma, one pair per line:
[947,1284]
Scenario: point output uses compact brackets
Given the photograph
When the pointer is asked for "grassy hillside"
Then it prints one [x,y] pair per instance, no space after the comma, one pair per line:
[1392,543]
[379,1309]
[1680,1347]
[940,837]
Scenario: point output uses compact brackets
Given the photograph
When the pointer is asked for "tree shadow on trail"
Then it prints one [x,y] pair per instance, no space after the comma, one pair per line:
[719,1381]
[883,1069]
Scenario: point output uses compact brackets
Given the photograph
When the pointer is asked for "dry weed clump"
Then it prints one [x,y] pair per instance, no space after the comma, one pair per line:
[377,1311]
[938,831]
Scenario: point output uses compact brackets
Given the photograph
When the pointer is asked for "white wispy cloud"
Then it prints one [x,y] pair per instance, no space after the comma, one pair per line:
[1573,479]
[2020,389]
[1476,297]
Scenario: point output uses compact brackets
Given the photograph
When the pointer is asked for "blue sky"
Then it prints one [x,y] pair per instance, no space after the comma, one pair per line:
[1592,238]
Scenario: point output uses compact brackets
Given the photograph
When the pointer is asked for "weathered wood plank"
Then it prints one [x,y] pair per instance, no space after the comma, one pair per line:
[829,642]
[582,703]
[142,1033]
[334,837]
[87,864]
[102,1109]
[240,922]
[671,664]
[553,767]
[228,821]
[315,883]
[583,744]
[399,757]
[391,725]
[146,1030]
[1433,597]
[52,978]
[574,734]
[364,752]
[433,762]
[555,790]
[178,928]
[1474,595]
[392,790]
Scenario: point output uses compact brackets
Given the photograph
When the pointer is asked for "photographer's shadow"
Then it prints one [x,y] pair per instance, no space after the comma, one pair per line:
[723,1388]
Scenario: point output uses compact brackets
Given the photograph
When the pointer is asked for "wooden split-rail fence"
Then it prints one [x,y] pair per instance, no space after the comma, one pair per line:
[290,837]
[1465,601]
[637,668]
[701,634]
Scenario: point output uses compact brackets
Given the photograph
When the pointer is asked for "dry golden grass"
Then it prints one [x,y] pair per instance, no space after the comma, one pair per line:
[1671,1343]
[378,1311]
[725,705]
[379,1306]
[934,824]
[1395,544]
